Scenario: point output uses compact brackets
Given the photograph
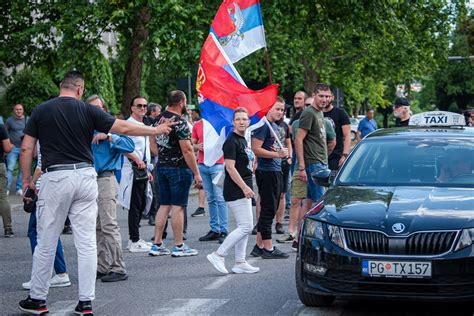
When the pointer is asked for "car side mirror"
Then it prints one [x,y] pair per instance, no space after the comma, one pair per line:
[322,177]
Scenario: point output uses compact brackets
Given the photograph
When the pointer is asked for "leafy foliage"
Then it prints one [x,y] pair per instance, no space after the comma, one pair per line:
[30,87]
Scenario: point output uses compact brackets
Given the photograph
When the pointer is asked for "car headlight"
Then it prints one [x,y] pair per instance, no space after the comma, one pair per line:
[313,229]
[466,240]
[336,235]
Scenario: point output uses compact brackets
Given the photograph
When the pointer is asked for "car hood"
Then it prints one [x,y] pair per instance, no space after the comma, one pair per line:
[418,208]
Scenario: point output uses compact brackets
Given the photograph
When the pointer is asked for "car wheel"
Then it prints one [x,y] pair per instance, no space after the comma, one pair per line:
[353,136]
[314,300]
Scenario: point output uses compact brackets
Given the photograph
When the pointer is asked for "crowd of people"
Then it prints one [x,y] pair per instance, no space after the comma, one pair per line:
[89,162]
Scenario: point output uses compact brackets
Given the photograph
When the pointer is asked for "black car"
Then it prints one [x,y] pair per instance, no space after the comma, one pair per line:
[398,219]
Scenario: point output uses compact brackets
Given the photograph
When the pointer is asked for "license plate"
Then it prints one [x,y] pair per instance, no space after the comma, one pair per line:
[396,269]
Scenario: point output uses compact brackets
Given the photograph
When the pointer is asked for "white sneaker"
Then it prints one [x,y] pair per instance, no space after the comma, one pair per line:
[139,247]
[19,192]
[244,267]
[218,262]
[56,281]
[149,244]
[60,281]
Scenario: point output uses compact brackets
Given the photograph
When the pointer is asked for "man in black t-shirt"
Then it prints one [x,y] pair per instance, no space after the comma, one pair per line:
[342,126]
[65,127]
[5,209]
[401,111]
[175,169]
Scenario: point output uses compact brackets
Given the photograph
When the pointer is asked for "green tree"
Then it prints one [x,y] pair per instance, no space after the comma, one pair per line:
[29,87]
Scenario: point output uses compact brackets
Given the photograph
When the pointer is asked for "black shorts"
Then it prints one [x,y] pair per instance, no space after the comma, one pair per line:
[285,174]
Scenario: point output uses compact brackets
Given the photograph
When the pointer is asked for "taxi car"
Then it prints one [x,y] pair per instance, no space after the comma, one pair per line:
[398,219]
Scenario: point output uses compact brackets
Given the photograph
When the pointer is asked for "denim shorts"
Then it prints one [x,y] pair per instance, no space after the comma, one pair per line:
[174,184]
[314,191]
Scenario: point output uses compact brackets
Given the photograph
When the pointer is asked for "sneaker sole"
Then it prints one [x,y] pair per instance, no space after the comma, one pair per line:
[64,284]
[285,241]
[158,254]
[242,271]
[139,250]
[274,257]
[180,254]
[199,215]
[213,262]
[87,312]
[34,311]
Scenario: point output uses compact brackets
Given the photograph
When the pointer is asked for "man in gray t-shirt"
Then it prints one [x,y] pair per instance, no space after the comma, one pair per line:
[15,125]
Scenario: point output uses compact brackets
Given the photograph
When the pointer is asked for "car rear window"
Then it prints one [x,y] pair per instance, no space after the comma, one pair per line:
[412,162]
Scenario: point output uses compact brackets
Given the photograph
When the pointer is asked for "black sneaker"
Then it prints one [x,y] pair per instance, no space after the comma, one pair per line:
[114,277]
[221,237]
[256,251]
[100,275]
[84,308]
[254,230]
[67,230]
[9,233]
[294,245]
[151,221]
[37,307]
[211,235]
[279,228]
[274,254]
[198,212]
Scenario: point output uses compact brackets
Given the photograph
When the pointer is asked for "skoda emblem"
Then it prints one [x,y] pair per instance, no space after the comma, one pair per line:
[398,228]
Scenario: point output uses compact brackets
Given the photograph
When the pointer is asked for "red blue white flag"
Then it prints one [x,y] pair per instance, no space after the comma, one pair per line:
[221,90]
[238,26]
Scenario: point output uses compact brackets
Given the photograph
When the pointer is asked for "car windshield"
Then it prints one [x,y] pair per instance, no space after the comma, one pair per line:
[411,162]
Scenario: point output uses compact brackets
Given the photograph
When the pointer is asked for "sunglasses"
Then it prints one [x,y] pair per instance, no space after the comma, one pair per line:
[308,104]
[141,106]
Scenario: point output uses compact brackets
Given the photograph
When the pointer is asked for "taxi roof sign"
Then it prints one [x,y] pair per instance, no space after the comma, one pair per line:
[437,118]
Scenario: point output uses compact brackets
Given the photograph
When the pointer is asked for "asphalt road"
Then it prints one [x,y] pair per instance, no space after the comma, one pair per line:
[184,286]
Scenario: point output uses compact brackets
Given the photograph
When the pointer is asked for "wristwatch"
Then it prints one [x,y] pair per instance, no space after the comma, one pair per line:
[345,155]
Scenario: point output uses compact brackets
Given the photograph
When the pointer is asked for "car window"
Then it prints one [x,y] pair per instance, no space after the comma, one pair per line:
[439,162]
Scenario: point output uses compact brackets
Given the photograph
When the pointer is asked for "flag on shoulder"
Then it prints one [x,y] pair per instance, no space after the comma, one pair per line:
[238,26]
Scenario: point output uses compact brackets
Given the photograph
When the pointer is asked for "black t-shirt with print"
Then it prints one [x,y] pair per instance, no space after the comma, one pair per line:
[283,135]
[169,151]
[65,127]
[235,148]
[338,117]
[3,136]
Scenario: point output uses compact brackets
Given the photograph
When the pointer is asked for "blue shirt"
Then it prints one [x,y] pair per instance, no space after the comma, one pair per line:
[108,154]
[366,126]
[270,143]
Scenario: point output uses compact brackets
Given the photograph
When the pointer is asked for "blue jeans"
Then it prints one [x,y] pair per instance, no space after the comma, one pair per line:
[174,185]
[314,191]
[215,197]
[12,158]
[59,262]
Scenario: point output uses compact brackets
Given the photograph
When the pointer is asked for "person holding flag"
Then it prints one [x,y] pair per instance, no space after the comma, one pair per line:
[269,152]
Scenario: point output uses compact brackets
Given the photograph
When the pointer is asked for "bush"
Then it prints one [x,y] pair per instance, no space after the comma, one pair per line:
[29,87]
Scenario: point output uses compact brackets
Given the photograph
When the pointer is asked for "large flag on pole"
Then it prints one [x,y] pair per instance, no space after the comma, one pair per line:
[221,90]
[238,26]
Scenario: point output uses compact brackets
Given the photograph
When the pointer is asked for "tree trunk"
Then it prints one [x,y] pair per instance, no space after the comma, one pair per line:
[311,78]
[133,70]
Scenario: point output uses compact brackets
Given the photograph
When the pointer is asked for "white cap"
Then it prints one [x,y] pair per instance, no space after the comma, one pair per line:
[437,118]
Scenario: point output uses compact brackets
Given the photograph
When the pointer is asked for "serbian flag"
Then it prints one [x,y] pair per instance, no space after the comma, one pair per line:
[238,26]
[221,90]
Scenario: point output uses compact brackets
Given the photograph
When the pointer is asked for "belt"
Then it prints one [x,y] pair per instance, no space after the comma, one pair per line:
[106,173]
[74,166]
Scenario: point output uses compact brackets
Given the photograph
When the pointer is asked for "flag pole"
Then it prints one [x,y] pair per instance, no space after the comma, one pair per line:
[267,62]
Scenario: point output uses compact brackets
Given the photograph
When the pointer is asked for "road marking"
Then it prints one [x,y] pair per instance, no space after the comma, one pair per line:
[295,307]
[66,308]
[197,306]
[224,278]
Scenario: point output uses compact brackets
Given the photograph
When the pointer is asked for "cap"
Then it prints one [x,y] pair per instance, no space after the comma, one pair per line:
[401,102]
